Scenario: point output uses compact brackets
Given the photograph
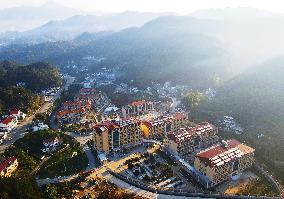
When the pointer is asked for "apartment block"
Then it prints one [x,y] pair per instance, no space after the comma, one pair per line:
[162,125]
[136,108]
[223,161]
[114,135]
[188,140]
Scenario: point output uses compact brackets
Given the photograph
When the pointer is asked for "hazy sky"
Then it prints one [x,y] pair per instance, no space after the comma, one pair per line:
[179,6]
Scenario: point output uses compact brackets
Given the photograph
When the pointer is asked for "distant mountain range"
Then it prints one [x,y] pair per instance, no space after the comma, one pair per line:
[71,27]
[27,17]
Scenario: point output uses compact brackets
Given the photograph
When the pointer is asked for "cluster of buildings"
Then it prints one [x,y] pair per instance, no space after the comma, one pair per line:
[210,159]
[11,121]
[8,166]
[75,111]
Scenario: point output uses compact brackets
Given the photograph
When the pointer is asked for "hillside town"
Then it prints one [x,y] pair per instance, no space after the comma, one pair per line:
[144,143]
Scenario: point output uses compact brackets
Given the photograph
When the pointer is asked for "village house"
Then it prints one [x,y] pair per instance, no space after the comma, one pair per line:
[222,162]
[8,166]
[8,123]
[50,144]
[71,116]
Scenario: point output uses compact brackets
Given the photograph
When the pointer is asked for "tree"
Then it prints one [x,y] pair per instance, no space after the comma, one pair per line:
[193,99]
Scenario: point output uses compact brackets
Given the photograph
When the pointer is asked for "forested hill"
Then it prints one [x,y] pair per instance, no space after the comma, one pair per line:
[155,52]
[256,99]
[20,84]
[36,76]
[257,94]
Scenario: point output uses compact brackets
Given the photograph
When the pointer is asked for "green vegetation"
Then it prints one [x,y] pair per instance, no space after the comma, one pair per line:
[19,188]
[70,160]
[20,84]
[192,100]
[59,190]
[22,98]
[255,99]
[35,77]
[260,186]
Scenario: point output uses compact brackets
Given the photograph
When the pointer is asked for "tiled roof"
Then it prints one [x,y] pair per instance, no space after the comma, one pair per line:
[219,155]
[184,134]
[68,112]
[14,112]
[8,119]
[7,163]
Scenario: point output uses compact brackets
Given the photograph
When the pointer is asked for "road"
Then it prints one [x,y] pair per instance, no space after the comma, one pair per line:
[271,178]
[20,130]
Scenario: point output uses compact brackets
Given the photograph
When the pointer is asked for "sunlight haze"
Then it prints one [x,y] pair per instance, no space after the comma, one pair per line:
[178,6]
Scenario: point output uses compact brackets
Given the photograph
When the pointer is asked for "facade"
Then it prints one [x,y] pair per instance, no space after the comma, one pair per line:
[8,123]
[8,166]
[163,125]
[187,141]
[114,135]
[137,107]
[71,116]
[223,161]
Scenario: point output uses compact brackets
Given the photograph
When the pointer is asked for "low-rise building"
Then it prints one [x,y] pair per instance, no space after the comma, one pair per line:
[8,123]
[8,166]
[186,141]
[71,116]
[223,161]
[114,135]
[137,107]
[50,144]
[71,105]
[39,127]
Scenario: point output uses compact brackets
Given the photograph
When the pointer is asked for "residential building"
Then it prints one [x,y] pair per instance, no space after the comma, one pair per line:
[39,127]
[137,107]
[71,116]
[8,123]
[114,135]
[186,141]
[223,161]
[71,105]
[162,125]
[50,144]
[8,166]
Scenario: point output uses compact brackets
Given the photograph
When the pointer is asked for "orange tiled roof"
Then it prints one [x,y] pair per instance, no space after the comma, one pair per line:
[67,112]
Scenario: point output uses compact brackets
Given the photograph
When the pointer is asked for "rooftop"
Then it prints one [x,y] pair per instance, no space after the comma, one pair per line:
[184,134]
[7,163]
[68,112]
[223,153]
[8,119]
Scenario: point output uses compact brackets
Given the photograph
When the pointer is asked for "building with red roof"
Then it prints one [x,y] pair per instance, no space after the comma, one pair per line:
[186,141]
[71,116]
[224,161]
[113,135]
[137,107]
[8,123]
[8,166]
